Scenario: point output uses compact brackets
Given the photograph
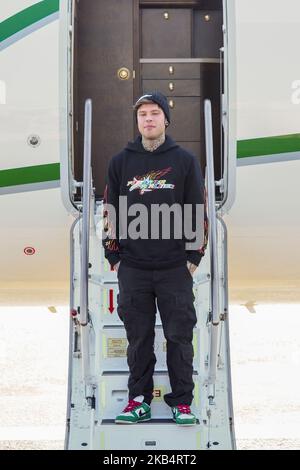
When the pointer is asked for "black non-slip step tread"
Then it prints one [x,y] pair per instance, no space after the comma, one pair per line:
[126,372]
[152,421]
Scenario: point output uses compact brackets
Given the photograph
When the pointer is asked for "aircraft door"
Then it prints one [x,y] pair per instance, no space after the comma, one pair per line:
[105,74]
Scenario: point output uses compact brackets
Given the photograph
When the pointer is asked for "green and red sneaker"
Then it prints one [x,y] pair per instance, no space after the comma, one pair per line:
[183,416]
[135,412]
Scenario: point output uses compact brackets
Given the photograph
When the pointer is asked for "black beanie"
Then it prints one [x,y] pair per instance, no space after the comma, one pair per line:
[158,98]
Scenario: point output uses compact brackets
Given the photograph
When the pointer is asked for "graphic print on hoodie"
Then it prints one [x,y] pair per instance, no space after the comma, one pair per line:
[149,181]
[168,175]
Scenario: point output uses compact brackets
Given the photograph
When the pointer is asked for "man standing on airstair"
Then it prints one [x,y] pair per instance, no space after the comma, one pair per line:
[150,172]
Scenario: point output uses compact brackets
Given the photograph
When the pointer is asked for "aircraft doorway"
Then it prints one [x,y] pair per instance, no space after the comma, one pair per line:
[124,48]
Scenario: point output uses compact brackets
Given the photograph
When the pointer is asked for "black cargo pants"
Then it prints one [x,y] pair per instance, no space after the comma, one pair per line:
[173,288]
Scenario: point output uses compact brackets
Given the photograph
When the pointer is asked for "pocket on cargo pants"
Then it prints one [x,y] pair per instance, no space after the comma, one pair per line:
[124,303]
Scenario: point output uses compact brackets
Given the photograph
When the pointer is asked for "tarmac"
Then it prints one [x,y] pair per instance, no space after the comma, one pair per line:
[265,357]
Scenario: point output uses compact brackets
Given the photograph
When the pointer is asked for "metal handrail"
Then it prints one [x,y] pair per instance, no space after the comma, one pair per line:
[211,207]
[213,355]
[87,174]
[85,236]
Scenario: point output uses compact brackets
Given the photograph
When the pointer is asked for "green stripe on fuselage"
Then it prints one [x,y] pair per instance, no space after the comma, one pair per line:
[268,145]
[27,17]
[30,174]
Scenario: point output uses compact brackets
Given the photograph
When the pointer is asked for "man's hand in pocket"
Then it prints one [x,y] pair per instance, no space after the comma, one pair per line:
[116,266]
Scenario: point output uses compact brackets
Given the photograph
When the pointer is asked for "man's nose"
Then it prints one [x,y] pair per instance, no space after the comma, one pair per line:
[149,118]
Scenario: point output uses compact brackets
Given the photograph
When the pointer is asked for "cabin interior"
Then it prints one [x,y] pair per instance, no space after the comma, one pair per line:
[125,48]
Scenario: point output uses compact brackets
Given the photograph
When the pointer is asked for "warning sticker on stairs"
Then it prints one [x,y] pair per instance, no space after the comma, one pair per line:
[116,347]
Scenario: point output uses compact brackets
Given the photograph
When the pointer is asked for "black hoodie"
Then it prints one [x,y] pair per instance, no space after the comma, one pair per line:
[168,175]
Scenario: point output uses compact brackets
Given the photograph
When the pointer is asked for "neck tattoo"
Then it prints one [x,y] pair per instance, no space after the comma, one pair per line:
[152,145]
